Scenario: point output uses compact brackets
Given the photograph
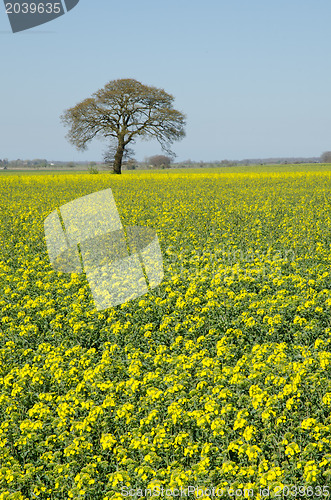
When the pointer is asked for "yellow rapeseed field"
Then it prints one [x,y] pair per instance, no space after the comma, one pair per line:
[218,378]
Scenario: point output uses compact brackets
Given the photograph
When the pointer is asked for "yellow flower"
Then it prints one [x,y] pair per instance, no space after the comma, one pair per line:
[107,441]
[292,449]
[249,432]
[307,423]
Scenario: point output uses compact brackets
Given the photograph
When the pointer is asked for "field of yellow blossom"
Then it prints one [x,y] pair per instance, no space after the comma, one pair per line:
[219,378]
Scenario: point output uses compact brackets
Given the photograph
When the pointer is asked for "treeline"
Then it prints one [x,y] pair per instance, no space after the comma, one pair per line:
[38,162]
[154,162]
[43,163]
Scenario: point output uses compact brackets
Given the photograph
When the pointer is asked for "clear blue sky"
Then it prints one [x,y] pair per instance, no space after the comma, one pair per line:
[253,77]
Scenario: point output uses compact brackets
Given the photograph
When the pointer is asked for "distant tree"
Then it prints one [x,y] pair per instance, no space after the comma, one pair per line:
[326,157]
[227,163]
[125,110]
[160,161]
[71,164]
[37,162]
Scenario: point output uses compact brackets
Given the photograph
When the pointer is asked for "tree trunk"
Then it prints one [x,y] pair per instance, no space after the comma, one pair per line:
[118,157]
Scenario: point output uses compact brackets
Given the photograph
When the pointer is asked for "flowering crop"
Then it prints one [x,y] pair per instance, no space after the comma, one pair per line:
[220,377]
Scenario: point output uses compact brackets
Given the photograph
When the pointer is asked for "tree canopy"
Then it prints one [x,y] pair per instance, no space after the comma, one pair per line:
[121,112]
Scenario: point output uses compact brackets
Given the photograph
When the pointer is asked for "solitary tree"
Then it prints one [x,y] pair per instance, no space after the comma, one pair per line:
[123,111]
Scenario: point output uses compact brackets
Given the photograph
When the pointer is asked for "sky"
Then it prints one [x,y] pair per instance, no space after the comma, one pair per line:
[252,77]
